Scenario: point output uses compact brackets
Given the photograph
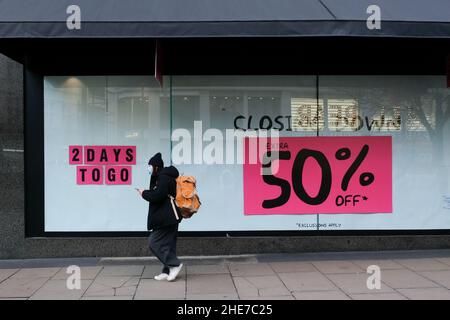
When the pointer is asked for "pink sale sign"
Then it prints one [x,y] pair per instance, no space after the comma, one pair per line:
[111,165]
[319,175]
[89,175]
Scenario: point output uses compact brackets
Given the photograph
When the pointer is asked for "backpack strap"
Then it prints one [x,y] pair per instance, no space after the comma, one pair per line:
[172,202]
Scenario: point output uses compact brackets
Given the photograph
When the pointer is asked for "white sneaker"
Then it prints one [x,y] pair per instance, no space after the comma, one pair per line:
[161,277]
[173,273]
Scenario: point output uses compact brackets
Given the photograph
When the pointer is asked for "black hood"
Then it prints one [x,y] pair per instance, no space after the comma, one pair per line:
[170,171]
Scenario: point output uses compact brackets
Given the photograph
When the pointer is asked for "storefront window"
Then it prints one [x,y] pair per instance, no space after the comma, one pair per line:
[247,104]
[385,164]
[404,107]
[101,111]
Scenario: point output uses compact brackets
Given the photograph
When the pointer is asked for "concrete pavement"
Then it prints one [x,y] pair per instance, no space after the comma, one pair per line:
[337,276]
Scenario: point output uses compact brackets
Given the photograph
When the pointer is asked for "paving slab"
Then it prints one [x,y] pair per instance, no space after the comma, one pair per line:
[378,296]
[320,295]
[404,279]
[423,264]
[108,298]
[207,269]
[120,271]
[251,269]
[151,270]
[307,281]
[275,291]
[35,273]
[212,283]
[128,288]
[416,275]
[20,287]
[333,266]
[87,273]
[57,290]
[356,283]
[386,264]
[117,282]
[445,260]
[260,286]
[292,266]
[426,294]
[126,291]
[97,290]
[6,273]
[212,296]
[244,288]
[112,286]
[441,277]
[151,289]
[268,298]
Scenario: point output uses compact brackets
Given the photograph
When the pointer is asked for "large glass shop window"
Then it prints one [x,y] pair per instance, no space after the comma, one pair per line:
[84,117]
[354,152]
[415,112]
[383,140]
[248,104]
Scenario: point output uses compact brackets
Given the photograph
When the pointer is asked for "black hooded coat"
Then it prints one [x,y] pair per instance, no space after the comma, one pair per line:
[160,210]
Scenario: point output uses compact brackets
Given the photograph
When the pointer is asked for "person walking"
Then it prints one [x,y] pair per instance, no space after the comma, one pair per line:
[163,218]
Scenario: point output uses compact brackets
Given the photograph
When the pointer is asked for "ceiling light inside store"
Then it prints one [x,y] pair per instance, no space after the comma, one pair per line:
[72,82]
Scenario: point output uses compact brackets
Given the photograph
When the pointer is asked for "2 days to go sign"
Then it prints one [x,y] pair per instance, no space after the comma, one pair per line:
[109,165]
[320,175]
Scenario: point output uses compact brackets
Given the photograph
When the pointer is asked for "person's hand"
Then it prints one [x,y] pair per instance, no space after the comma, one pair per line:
[140,191]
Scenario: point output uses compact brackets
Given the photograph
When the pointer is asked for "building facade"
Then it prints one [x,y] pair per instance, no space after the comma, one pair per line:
[309,141]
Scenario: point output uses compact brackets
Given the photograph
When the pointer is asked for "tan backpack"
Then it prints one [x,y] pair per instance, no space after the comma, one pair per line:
[187,198]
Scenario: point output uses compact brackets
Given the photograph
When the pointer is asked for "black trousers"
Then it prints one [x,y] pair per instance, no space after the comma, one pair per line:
[163,244]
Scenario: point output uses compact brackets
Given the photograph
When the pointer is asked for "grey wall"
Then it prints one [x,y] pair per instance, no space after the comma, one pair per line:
[14,245]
